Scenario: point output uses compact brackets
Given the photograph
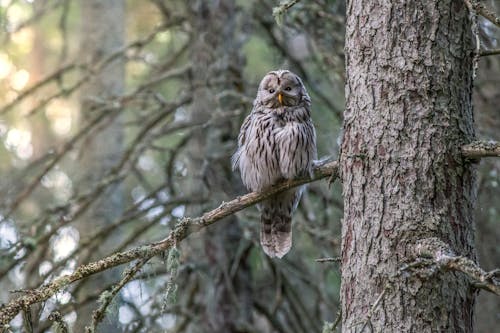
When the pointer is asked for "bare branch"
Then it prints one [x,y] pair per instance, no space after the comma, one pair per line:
[487,14]
[183,229]
[337,320]
[368,319]
[434,253]
[484,53]
[479,149]
[479,278]
[107,297]
[483,11]
[280,11]
[335,259]
[58,320]
[58,73]
[39,13]
[89,70]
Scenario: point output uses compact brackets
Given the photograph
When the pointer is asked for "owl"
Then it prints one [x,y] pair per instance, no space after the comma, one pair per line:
[277,141]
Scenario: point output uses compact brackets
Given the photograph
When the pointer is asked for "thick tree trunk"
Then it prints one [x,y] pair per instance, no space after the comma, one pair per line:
[407,191]
[102,33]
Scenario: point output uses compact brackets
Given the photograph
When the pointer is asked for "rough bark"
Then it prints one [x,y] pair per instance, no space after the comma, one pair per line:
[407,190]
[102,33]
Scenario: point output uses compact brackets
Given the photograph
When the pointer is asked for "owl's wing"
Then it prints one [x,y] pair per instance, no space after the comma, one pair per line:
[242,137]
[244,129]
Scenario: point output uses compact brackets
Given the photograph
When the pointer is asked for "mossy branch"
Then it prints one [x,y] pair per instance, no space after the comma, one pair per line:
[183,229]
[479,149]
[433,254]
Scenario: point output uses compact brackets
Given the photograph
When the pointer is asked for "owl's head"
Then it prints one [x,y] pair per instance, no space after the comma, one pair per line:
[281,88]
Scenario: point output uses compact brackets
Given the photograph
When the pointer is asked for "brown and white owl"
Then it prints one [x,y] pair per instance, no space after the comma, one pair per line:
[277,141]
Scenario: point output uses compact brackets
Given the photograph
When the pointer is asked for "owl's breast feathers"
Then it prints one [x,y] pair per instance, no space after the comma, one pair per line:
[275,145]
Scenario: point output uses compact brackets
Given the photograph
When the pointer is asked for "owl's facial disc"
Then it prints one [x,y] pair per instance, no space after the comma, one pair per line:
[280,89]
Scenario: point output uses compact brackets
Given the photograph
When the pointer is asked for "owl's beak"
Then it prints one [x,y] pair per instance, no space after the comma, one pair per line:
[280,98]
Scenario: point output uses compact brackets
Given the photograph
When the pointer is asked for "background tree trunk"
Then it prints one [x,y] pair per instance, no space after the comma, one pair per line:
[217,68]
[40,141]
[102,33]
[406,187]
[486,101]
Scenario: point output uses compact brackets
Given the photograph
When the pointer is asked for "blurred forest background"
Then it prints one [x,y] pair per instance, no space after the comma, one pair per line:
[118,118]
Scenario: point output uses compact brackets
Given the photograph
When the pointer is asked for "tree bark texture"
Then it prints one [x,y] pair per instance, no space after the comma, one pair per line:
[405,185]
[102,33]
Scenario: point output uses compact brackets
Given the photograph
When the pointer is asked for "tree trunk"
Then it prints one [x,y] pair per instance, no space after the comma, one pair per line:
[217,67]
[102,33]
[41,138]
[407,191]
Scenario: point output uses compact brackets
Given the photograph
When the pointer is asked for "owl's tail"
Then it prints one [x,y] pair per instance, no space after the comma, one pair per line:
[275,231]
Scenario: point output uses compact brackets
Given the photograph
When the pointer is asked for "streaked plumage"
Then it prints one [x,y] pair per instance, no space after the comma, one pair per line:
[277,141]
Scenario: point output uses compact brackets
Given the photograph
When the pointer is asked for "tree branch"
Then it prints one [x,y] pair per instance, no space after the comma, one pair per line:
[478,149]
[479,278]
[183,229]
[333,259]
[280,10]
[487,13]
[483,11]
[434,253]
[484,53]
[107,297]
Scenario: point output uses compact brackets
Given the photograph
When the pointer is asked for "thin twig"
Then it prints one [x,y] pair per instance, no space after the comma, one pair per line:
[59,322]
[335,259]
[487,14]
[485,53]
[280,10]
[374,307]
[99,313]
[337,320]
[89,68]
[483,11]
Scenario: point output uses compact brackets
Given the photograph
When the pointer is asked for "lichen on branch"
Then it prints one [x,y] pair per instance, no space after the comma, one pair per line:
[183,229]
[479,149]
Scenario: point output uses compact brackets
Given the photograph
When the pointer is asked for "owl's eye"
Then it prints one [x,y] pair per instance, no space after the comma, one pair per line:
[288,88]
[271,91]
